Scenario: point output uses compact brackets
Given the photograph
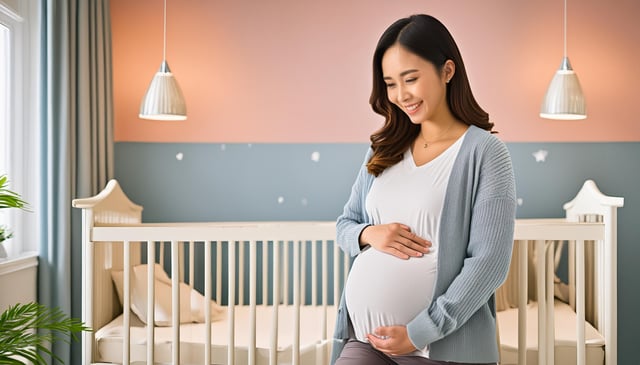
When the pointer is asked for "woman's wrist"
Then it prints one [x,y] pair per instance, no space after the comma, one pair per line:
[362,242]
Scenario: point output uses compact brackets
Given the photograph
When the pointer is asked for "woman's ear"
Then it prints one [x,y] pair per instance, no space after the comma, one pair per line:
[449,69]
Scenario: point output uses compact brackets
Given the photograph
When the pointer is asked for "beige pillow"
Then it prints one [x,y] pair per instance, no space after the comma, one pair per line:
[191,301]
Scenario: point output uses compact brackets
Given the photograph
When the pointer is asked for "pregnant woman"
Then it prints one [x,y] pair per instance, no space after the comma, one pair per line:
[431,214]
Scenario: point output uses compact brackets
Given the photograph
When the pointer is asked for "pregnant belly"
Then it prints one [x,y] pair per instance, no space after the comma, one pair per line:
[383,290]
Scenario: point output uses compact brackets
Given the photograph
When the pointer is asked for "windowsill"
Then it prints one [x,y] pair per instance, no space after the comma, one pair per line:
[20,262]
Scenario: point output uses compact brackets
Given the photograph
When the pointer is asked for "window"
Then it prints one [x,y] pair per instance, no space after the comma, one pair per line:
[5,55]
[19,136]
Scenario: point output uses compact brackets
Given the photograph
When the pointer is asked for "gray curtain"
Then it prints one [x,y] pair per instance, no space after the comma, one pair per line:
[76,140]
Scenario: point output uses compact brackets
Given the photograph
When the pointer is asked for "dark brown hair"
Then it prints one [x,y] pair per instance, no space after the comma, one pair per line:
[429,39]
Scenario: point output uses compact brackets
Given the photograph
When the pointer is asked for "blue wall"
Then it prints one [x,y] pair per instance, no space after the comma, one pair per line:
[241,182]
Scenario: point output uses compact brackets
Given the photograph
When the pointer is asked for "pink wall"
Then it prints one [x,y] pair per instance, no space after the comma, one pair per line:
[299,71]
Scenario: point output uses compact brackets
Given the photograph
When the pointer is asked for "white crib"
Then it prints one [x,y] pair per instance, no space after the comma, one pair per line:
[277,304]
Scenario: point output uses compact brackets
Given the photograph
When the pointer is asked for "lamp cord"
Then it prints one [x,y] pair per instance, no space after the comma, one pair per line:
[564,29]
[164,34]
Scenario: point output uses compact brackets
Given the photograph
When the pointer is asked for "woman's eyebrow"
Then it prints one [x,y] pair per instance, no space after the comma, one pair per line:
[403,73]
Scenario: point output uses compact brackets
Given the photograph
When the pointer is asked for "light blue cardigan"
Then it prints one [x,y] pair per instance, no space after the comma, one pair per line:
[476,238]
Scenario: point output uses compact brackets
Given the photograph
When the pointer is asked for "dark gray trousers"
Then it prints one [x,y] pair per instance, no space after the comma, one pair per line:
[362,353]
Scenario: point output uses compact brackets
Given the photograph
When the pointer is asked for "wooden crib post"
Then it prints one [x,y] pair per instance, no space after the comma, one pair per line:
[110,206]
[87,286]
[611,283]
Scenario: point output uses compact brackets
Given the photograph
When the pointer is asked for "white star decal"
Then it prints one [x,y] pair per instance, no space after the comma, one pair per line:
[540,155]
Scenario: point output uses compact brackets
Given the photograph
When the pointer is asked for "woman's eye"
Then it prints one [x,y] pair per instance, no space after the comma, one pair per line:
[411,79]
[389,86]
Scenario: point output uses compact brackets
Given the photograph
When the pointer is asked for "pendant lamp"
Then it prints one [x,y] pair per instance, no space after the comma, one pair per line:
[564,99]
[164,99]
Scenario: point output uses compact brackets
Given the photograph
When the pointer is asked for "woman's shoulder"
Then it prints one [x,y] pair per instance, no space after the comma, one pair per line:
[481,137]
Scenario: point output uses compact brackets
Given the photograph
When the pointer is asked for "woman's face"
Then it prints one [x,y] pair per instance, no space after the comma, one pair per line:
[415,85]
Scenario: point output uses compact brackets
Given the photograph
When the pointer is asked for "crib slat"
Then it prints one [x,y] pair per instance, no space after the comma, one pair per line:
[523,253]
[126,344]
[232,300]
[192,260]
[314,273]
[252,302]
[219,271]
[265,273]
[207,301]
[338,280]
[580,304]
[550,298]
[296,303]
[303,273]
[273,344]
[241,279]
[175,300]
[571,264]
[285,273]
[151,256]
[542,313]
[325,287]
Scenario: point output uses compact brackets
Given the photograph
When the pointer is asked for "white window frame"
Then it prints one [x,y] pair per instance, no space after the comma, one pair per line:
[23,148]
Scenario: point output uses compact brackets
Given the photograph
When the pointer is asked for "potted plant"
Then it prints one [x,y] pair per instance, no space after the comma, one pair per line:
[8,199]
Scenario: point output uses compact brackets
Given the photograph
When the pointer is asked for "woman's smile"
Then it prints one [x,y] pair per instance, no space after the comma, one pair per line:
[412,108]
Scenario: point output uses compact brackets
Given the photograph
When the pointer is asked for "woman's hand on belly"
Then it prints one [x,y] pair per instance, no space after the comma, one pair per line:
[392,340]
[395,239]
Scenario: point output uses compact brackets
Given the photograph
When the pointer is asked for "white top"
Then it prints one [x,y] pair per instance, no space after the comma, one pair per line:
[381,289]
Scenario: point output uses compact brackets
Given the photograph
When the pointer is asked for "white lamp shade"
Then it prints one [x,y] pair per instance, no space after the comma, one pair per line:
[564,99]
[164,99]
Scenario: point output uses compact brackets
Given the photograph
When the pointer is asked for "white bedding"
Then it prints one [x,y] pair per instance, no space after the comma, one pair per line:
[565,336]
[312,348]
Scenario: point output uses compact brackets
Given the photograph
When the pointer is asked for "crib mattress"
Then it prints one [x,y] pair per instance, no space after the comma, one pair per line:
[313,348]
[565,336]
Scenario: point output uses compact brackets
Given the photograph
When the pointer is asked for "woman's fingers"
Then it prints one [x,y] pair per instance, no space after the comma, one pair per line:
[404,244]
[415,242]
[396,239]
[392,340]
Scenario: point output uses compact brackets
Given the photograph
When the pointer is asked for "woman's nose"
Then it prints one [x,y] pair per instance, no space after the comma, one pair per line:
[403,93]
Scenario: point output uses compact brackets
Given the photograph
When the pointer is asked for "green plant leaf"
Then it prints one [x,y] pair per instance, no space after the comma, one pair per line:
[26,329]
[9,198]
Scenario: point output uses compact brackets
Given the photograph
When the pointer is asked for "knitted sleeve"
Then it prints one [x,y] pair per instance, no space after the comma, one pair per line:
[354,219]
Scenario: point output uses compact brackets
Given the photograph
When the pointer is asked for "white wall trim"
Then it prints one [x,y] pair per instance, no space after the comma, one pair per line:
[23,261]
